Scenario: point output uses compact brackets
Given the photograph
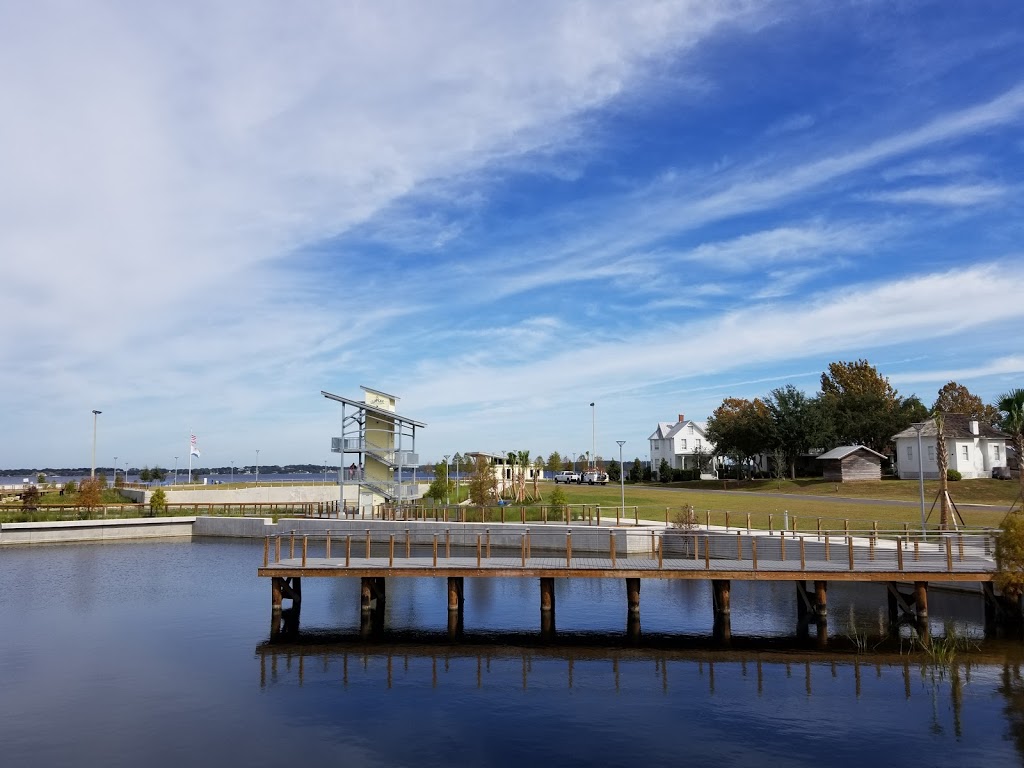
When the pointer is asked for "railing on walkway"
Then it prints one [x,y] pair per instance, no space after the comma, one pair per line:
[786,555]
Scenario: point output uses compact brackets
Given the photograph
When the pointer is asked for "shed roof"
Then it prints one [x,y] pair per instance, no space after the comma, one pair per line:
[845,450]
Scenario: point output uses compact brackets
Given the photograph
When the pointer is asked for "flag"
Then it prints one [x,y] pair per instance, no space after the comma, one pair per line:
[194,449]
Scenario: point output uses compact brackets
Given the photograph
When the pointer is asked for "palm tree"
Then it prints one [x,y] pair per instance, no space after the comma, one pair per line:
[1011,408]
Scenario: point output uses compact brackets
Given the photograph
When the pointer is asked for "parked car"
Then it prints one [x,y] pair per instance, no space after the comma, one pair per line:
[567,477]
[593,477]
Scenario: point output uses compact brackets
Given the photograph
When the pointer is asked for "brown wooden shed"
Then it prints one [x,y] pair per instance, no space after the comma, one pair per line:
[851,462]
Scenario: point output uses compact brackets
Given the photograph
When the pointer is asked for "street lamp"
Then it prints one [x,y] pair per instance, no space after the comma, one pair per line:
[257,467]
[446,478]
[458,496]
[325,471]
[126,472]
[622,477]
[574,462]
[918,426]
[593,436]
[115,472]
[95,413]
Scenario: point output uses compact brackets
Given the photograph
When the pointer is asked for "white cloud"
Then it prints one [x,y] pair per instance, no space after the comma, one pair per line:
[949,195]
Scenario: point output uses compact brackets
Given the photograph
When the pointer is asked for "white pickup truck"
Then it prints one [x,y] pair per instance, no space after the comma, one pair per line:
[594,477]
[567,477]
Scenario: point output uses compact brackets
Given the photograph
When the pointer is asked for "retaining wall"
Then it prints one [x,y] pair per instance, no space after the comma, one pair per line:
[96,530]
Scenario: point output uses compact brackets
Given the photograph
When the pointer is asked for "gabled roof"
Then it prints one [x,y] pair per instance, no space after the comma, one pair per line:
[957,426]
[661,432]
[666,430]
[845,450]
[387,415]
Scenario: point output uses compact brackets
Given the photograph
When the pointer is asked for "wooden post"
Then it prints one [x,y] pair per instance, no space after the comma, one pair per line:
[348,550]
[849,550]
[661,552]
[921,599]
[447,543]
[529,552]
[821,598]
[611,546]
[874,534]
[547,595]
[949,554]
[277,549]
[803,555]
[846,527]
[568,549]
[819,527]
[522,514]
[487,534]
[479,549]
[266,552]
[707,552]
[435,550]
[367,543]
[720,596]
[748,522]
[455,601]
[408,544]
[291,547]
[666,517]
[522,547]
[782,546]
[365,593]
[871,548]
[899,554]
[636,516]
[305,547]
[727,520]
[917,550]
[771,524]
[753,551]
[739,546]
[633,595]
[327,544]
[827,556]
[391,550]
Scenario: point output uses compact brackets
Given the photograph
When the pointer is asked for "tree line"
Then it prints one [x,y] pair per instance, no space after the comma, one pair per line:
[855,405]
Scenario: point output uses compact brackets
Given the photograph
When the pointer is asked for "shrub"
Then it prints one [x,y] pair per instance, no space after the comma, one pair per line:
[952,474]
[1010,556]
[157,502]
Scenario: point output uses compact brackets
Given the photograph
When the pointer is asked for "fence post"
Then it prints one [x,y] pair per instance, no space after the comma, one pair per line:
[611,544]
[949,554]
[849,548]
[568,549]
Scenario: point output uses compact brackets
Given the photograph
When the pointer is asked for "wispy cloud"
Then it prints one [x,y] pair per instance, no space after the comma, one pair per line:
[949,195]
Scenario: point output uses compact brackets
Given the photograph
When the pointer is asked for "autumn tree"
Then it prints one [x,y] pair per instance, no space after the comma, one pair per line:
[740,428]
[861,405]
[89,495]
[956,398]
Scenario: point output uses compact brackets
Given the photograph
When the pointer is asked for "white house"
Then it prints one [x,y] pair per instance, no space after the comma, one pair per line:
[504,470]
[679,444]
[974,449]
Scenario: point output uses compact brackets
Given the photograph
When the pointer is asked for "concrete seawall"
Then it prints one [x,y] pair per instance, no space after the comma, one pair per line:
[96,530]
[542,537]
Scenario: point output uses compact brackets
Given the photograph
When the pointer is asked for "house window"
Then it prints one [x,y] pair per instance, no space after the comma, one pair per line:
[931,453]
[910,451]
[689,430]
[696,445]
[995,452]
[683,444]
[967,451]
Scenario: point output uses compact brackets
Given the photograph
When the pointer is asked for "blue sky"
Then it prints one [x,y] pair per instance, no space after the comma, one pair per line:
[500,212]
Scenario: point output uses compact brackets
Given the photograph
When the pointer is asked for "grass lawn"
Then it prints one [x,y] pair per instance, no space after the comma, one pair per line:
[653,500]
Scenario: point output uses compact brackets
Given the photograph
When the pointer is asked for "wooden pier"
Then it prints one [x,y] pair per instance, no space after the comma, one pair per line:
[905,564]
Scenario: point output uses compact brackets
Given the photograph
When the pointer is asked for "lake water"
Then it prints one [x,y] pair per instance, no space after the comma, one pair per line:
[160,654]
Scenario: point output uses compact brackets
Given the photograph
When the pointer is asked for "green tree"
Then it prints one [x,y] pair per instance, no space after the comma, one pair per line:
[1010,557]
[482,482]
[1011,421]
[956,398]
[558,501]
[645,473]
[441,486]
[861,406]
[741,428]
[797,424]
[614,470]
[41,478]
[635,471]
[157,502]
[664,472]
[554,462]
[144,475]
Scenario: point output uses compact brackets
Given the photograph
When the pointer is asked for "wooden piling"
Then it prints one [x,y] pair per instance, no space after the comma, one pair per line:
[753,552]
[821,598]
[547,595]
[633,595]
[720,596]
[921,599]
[367,543]
[455,594]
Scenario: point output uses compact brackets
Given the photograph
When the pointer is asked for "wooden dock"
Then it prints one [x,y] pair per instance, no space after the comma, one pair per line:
[895,559]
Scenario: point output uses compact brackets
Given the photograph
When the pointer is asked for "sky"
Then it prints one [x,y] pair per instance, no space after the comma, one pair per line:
[499,212]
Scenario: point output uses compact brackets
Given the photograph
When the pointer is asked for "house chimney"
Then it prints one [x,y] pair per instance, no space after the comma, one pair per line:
[682,417]
[974,427]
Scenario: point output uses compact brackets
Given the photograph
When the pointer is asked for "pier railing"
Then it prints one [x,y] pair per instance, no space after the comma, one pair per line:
[509,549]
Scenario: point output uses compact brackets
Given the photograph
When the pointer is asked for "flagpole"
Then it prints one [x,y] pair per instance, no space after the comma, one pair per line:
[190,457]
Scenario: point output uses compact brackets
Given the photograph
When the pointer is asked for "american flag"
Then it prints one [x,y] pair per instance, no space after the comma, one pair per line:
[194,449]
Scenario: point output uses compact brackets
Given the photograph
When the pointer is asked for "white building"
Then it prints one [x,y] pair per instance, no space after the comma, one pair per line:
[504,470]
[974,449]
[679,444]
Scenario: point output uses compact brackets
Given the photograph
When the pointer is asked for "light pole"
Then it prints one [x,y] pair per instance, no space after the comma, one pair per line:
[115,472]
[457,459]
[325,471]
[622,477]
[232,470]
[574,461]
[446,478]
[593,436]
[95,413]
[257,467]
[918,426]
[126,473]
[175,470]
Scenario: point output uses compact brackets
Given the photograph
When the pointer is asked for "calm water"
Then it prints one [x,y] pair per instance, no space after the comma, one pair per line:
[160,654]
